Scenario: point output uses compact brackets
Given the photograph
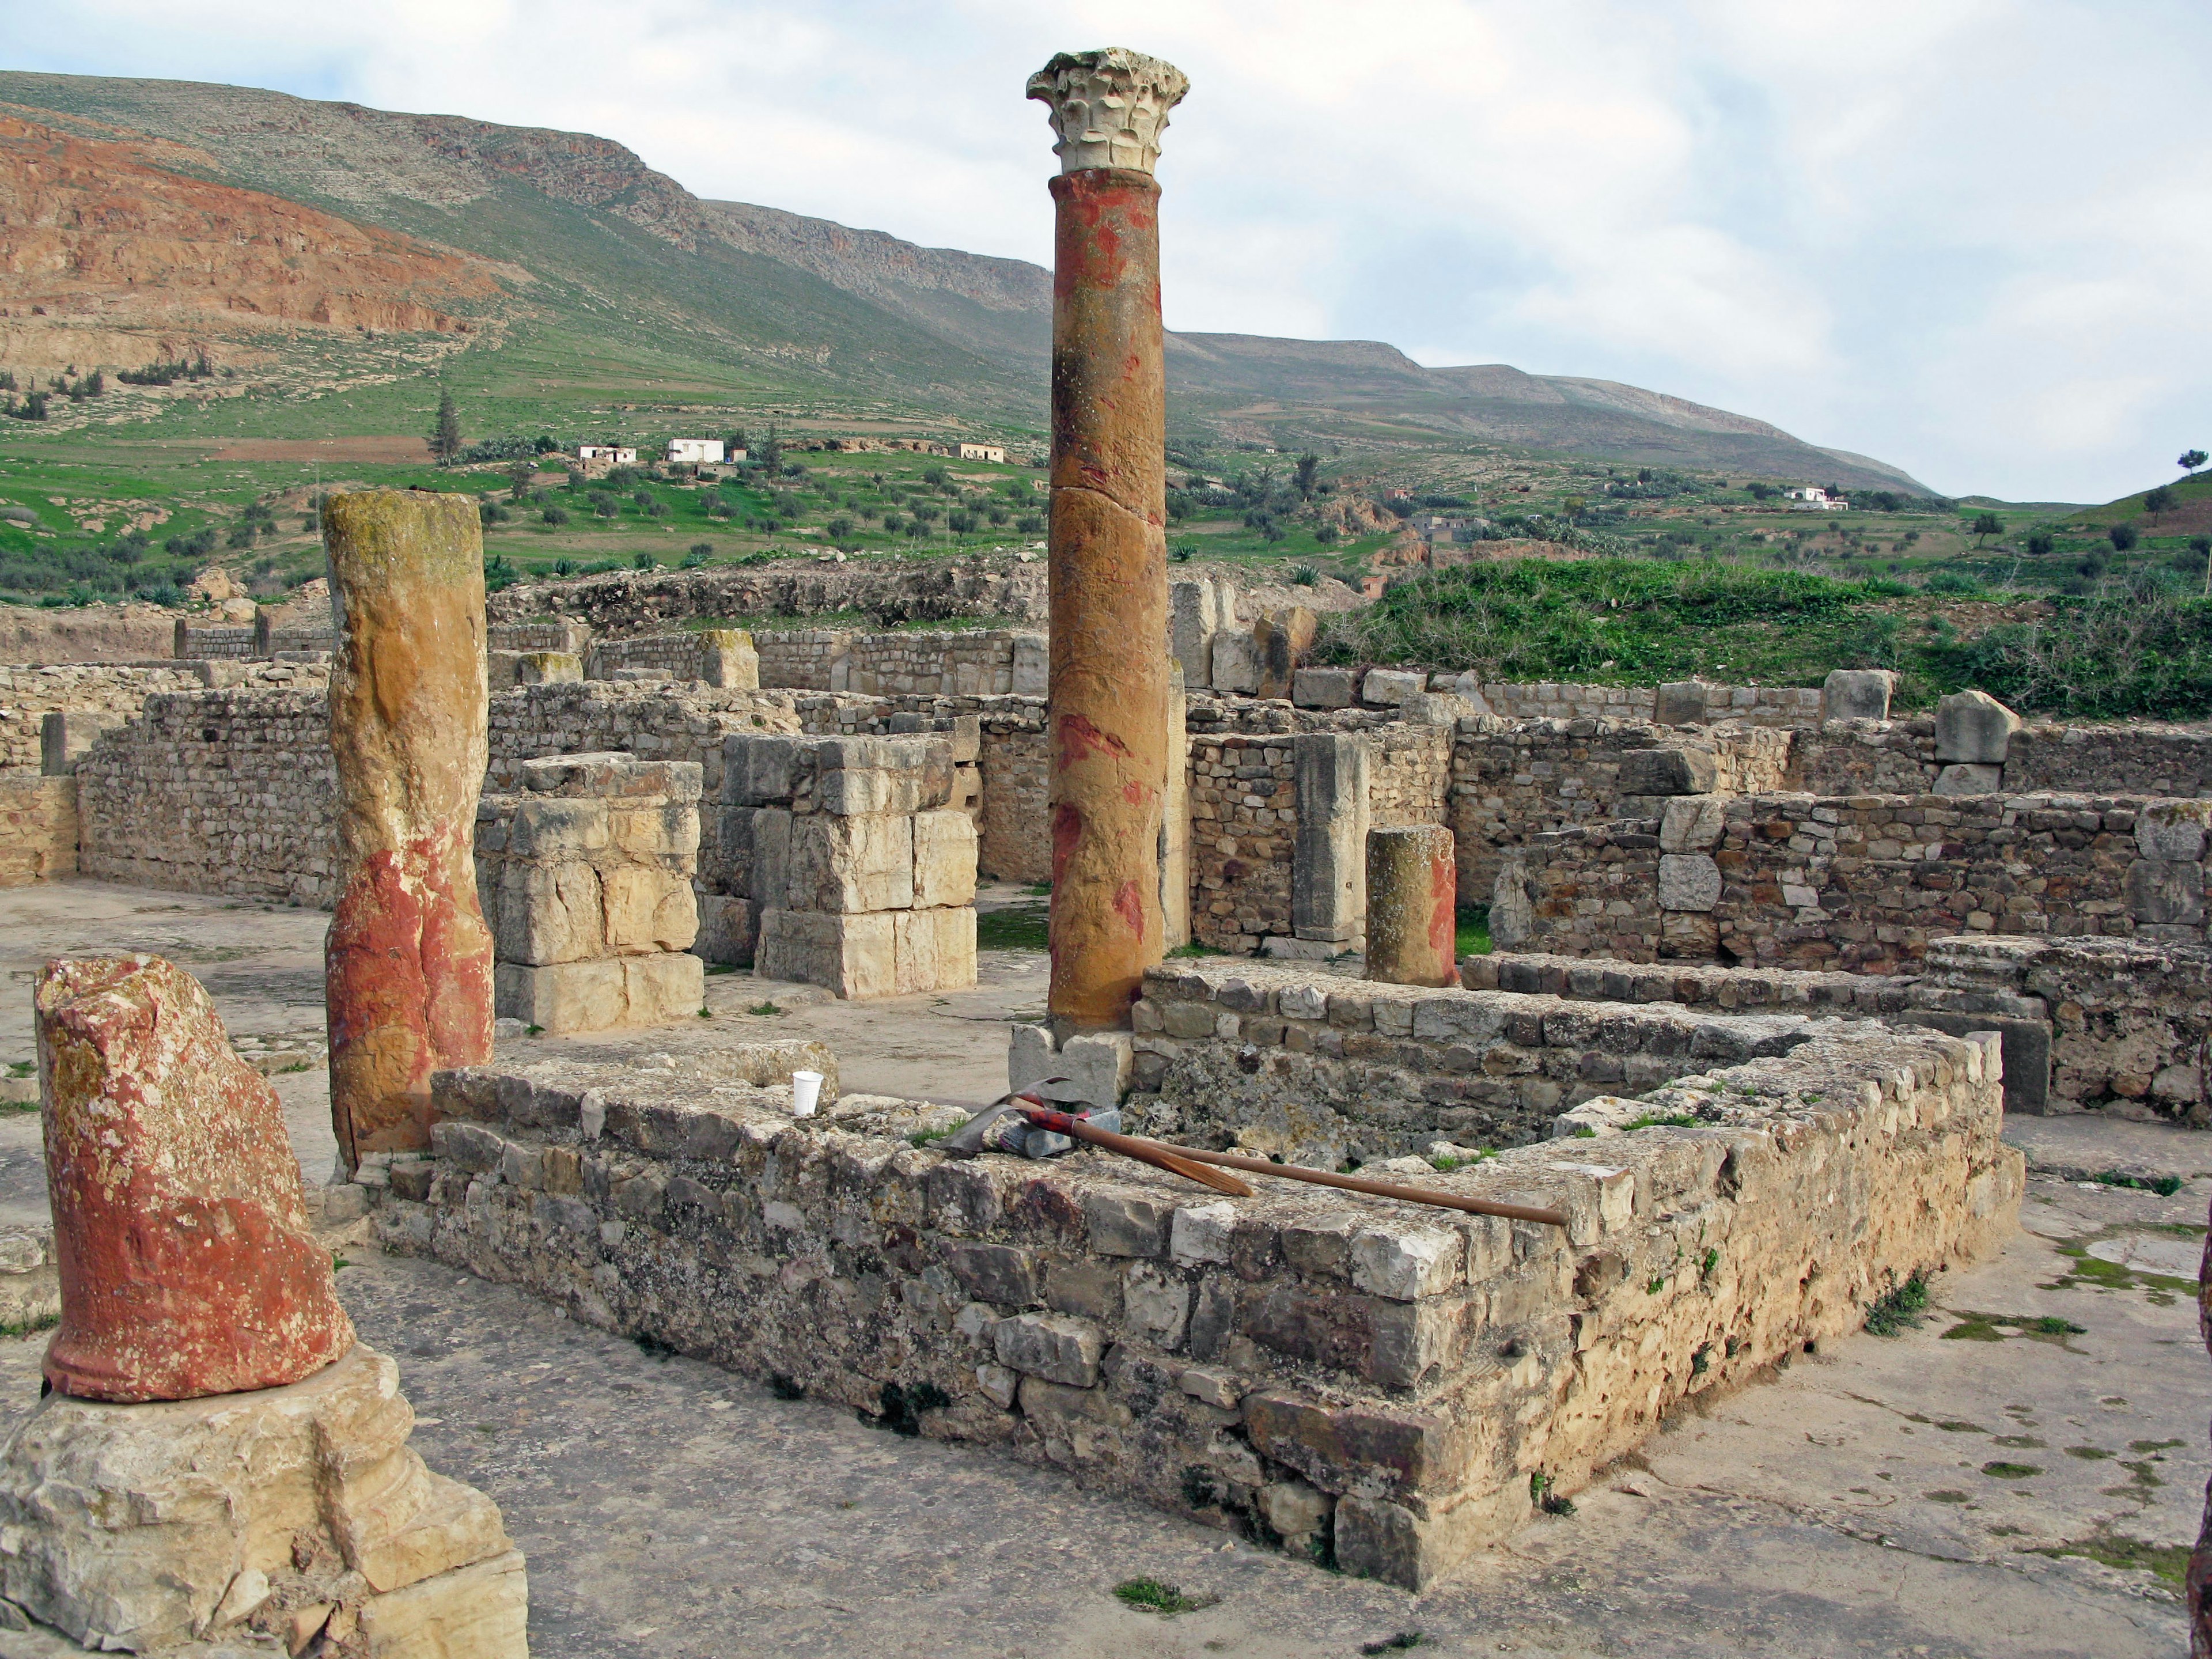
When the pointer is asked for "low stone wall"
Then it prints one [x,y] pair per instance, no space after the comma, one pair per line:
[37,828]
[1381,1387]
[2131,1021]
[2104,759]
[1321,1069]
[28,696]
[1512,780]
[1862,883]
[722,657]
[932,663]
[1697,701]
[636,602]
[1244,830]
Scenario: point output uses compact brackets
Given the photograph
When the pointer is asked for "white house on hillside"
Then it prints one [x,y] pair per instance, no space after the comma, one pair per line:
[697,450]
[612,454]
[1814,497]
[983,453]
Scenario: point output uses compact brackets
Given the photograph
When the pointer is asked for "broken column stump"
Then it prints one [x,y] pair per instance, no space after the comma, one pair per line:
[1107,701]
[187,1264]
[409,959]
[1412,906]
[220,1467]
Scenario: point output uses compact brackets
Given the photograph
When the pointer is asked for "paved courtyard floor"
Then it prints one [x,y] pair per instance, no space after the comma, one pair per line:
[1977,1484]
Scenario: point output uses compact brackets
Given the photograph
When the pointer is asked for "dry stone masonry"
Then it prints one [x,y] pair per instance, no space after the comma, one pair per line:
[585,879]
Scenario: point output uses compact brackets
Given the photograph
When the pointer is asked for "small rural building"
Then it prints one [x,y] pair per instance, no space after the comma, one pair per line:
[983,453]
[611,454]
[694,450]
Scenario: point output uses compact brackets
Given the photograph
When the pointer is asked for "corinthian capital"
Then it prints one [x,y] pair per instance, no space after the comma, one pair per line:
[1108,106]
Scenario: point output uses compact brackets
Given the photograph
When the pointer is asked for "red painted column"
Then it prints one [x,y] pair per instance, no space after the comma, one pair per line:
[1413,895]
[407,960]
[1108,696]
[188,1267]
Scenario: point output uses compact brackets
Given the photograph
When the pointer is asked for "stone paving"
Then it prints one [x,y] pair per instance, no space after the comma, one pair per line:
[1974,1484]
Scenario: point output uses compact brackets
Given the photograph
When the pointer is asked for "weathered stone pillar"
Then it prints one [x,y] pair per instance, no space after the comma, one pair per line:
[1174,819]
[1108,683]
[1412,901]
[409,959]
[188,1267]
[1328,885]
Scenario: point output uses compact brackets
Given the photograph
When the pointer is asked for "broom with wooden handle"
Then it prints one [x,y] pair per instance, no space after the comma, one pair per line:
[1190,1162]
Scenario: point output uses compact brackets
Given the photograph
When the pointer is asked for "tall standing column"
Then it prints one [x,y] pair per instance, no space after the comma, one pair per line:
[1108,698]
[409,959]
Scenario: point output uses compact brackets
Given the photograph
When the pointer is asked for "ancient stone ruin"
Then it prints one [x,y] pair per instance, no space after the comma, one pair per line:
[219,1459]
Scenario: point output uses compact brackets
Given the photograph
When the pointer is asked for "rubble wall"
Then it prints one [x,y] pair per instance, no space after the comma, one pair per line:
[639,602]
[28,695]
[37,828]
[1383,1387]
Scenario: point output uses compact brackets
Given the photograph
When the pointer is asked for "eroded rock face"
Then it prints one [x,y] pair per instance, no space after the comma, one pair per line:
[409,958]
[188,1267]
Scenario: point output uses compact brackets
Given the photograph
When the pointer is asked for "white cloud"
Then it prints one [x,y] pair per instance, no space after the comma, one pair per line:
[1964,235]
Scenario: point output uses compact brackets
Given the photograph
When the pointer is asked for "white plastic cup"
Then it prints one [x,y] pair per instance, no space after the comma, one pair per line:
[805,1093]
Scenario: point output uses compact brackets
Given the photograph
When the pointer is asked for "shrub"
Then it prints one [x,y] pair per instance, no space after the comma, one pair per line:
[2122,537]
[2160,500]
[554,515]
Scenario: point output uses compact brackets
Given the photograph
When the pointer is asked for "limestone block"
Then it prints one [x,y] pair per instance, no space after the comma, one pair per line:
[1681,703]
[1032,669]
[1689,881]
[550,913]
[648,910]
[841,865]
[2173,830]
[553,828]
[1413,893]
[868,775]
[567,996]
[1963,778]
[1435,708]
[142,1526]
[1094,1065]
[1058,1347]
[1857,694]
[188,1265]
[663,990]
[854,956]
[1975,728]
[547,668]
[1687,935]
[1236,666]
[1295,1510]
[1386,688]
[2167,893]
[1194,618]
[943,859]
[770,855]
[1668,772]
[727,658]
[933,950]
[613,774]
[669,834]
[1322,688]
[1328,858]
[1512,910]
[66,735]
[1692,824]
[760,770]
[1282,640]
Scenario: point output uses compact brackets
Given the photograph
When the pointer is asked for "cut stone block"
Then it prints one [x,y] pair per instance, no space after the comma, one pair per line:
[548,668]
[668,834]
[613,774]
[1095,1065]
[1435,708]
[1857,694]
[648,909]
[1681,703]
[1689,881]
[1386,688]
[727,658]
[729,928]
[1282,640]
[943,859]
[2167,893]
[934,949]
[1975,728]
[1329,857]
[2174,830]
[550,829]
[1968,780]
[1668,772]
[1692,824]
[845,864]
[854,956]
[759,770]
[1322,688]
[1194,618]
[605,994]
[143,1527]
[550,913]
[1032,671]
[1236,663]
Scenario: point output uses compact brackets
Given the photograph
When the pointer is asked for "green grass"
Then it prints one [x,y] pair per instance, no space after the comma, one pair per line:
[1900,1308]
[763,1009]
[1013,927]
[1153,1595]
[2164,1186]
[1473,939]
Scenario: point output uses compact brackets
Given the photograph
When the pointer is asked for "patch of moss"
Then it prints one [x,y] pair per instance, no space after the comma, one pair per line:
[1152,1596]
[2169,1562]
[1998,1469]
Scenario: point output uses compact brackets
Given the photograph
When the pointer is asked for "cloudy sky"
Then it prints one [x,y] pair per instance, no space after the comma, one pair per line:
[1972,238]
